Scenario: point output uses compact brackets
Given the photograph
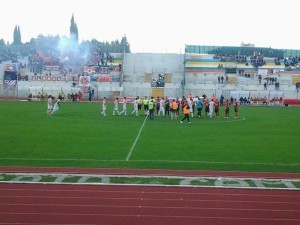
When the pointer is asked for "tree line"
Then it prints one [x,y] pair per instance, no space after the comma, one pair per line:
[51,44]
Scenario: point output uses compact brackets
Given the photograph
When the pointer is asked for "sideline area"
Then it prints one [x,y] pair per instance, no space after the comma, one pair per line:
[150,178]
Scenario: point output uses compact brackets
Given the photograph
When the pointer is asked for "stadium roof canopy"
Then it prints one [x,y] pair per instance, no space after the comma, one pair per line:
[231,50]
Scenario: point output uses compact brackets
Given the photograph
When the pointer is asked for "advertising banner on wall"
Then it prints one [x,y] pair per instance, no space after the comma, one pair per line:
[84,81]
[10,80]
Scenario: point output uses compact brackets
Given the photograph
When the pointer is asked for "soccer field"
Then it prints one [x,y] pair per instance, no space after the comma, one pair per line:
[261,139]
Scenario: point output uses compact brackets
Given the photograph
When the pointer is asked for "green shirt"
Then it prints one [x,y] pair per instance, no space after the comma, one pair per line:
[151,105]
[146,101]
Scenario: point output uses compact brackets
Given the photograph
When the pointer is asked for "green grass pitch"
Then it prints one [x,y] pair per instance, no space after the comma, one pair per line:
[261,139]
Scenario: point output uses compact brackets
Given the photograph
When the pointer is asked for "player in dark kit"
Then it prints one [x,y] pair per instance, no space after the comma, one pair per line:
[227,109]
[236,108]
[217,107]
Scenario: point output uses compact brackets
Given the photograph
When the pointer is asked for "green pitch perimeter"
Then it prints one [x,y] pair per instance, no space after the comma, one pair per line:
[261,139]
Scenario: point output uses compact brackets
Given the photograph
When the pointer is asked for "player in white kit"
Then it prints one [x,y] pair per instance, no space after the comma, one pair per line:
[124,106]
[104,107]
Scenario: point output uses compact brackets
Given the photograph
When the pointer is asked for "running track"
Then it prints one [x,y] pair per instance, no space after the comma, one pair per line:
[144,205]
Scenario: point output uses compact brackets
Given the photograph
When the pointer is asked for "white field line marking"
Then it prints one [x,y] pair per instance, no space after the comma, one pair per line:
[166,161]
[136,139]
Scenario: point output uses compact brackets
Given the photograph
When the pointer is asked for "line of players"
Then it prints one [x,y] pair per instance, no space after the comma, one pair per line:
[170,107]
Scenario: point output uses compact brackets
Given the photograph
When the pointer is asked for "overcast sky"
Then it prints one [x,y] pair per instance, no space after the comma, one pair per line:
[159,25]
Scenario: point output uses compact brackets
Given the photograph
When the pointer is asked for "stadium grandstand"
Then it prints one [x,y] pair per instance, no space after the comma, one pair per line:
[244,71]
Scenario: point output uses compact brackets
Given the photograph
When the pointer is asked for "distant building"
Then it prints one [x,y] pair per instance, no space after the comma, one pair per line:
[247,45]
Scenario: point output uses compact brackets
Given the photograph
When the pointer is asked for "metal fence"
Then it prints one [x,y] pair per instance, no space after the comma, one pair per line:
[112,92]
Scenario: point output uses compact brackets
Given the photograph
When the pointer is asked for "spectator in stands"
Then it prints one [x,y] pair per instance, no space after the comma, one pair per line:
[277,86]
[265,86]
[259,79]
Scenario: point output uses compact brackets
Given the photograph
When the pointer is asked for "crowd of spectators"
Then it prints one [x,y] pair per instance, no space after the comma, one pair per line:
[101,58]
[247,75]
[224,57]
[255,60]
[275,101]
[159,82]
[222,79]
[288,62]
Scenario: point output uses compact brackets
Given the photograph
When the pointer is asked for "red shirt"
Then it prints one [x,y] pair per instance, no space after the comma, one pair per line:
[235,105]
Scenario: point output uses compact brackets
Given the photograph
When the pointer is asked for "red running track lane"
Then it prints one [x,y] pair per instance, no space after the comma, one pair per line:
[141,205]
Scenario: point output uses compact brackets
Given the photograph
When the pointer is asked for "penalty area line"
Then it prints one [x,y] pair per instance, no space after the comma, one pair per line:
[136,139]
